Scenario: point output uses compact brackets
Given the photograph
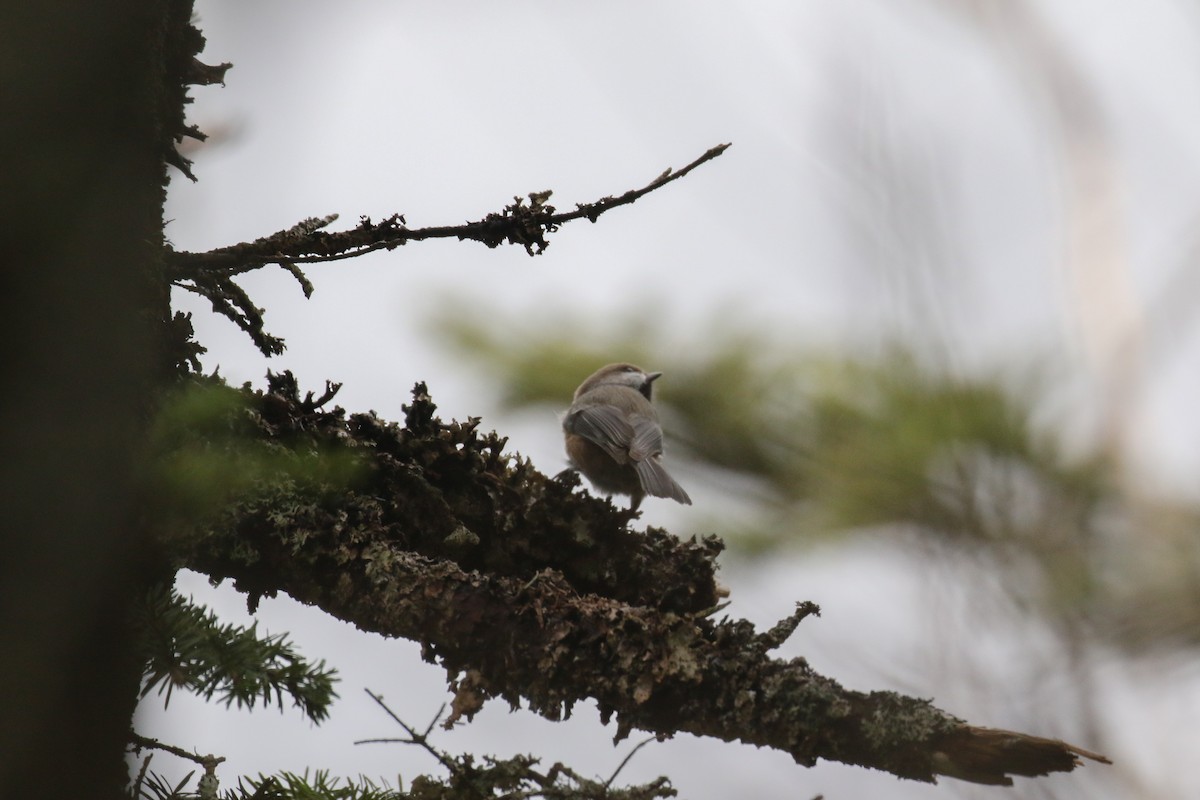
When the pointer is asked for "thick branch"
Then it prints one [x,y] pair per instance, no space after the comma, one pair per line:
[443,491]
[524,591]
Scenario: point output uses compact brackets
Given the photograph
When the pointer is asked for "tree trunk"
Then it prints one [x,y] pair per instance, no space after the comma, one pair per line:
[87,100]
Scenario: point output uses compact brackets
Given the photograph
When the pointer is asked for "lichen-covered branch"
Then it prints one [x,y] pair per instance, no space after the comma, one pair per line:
[210,274]
[518,223]
[527,592]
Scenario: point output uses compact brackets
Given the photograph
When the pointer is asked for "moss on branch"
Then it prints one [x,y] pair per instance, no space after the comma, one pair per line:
[526,591]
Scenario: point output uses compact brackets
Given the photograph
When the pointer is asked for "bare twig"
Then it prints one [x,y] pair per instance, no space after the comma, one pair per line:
[210,274]
[627,759]
[420,739]
[331,389]
[208,784]
[141,777]
[140,743]
[516,776]
[518,223]
[779,633]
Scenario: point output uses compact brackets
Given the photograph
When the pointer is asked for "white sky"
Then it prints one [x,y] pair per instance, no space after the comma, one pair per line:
[890,172]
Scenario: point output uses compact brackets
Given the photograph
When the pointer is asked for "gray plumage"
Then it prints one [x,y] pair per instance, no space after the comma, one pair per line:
[614,438]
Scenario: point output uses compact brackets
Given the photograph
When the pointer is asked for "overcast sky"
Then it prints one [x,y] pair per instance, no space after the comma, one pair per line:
[899,167]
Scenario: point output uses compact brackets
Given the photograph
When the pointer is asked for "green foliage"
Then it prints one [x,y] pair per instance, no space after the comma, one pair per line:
[199,453]
[185,646]
[891,443]
[813,446]
[496,778]
[153,786]
[206,448]
[284,786]
[290,786]
[720,406]
[531,368]
[833,443]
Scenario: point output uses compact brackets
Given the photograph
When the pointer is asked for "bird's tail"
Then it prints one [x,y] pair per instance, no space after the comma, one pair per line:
[657,481]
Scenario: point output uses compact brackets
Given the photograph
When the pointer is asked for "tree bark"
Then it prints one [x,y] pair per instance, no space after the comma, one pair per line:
[87,101]
[527,592]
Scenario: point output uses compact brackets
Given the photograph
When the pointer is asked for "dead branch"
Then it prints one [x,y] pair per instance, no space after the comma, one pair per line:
[305,243]
[210,274]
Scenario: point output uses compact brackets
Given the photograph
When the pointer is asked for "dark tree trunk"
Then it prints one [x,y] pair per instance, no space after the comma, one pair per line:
[88,103]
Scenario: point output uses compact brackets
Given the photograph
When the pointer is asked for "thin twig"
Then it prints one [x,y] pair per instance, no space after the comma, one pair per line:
[141,778]
[593,210]
[304,243]
[210,274]
[436,718]
[414,737]
[626,760]
[140,742]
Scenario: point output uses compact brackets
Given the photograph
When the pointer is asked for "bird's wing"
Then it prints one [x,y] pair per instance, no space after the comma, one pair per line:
[647,439]
[605,426]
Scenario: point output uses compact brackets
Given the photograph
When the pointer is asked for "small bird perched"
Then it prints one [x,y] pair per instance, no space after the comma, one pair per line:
[613,436]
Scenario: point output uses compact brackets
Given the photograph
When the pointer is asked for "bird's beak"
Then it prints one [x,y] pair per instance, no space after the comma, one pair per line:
[651,377]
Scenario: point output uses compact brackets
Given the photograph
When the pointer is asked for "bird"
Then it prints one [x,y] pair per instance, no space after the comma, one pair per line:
[613,436]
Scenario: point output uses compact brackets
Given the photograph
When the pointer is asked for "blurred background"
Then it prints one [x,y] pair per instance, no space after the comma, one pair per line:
[929,335]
